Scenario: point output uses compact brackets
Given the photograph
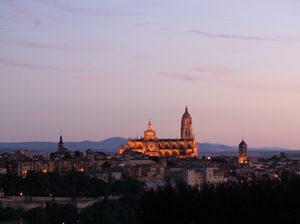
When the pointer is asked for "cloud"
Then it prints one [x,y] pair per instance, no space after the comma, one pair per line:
[242,37]
[94,42]
[89,77]
[236,79]
[203,74]
[181,76]
[216,70]
[43,114]
[145,57]
[70,7]
[85,65]
[264,86]
[42,45]
[144,24]
[12,62]
[28,12]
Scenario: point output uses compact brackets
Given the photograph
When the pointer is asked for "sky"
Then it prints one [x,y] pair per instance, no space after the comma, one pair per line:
[99,69]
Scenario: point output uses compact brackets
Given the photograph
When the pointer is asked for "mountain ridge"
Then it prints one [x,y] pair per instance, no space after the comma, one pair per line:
[111,145]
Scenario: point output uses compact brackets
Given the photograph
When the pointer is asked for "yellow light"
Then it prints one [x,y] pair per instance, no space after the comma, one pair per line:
[208,157]
[21,194]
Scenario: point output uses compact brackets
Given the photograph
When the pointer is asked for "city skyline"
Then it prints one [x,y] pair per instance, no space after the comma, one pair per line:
[103,69]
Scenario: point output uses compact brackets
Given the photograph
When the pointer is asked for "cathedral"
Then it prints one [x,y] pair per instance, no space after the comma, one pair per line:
[150,145]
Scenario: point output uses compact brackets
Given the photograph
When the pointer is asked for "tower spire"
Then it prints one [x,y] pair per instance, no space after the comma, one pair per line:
[60,139]
[149,126]
[61,143]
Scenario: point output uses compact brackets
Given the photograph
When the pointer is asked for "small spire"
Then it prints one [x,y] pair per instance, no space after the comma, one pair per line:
[149,126]
[186,109]
[60,140]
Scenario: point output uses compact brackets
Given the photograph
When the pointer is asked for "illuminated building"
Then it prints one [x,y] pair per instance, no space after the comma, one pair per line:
[185,147]
[243,152]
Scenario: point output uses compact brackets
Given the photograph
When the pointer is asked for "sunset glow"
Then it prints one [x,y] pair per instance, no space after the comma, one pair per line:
[100,69]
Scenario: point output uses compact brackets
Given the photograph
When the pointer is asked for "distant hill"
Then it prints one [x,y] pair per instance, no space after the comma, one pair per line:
[111,145]
[208,147]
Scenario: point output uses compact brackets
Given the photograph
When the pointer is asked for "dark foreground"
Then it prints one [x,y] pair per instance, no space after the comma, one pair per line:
[260,201]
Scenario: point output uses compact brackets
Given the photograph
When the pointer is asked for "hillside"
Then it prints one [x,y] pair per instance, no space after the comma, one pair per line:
[111,145]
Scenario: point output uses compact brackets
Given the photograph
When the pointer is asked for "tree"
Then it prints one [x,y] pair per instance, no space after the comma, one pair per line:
[10,214]
[35,216]
[77,154]
[282,155]
[67,155]
[274,158]
[106,165]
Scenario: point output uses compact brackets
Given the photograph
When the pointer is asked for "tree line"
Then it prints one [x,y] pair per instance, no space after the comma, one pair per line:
[73,184]
[106,212]
[259,201]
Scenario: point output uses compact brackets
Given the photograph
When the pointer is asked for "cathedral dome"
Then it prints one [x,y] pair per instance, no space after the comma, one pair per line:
[149,134]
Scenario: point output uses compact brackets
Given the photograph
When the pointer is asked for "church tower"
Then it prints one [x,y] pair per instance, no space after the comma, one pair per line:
[60,144]
[243,152]
[186,125]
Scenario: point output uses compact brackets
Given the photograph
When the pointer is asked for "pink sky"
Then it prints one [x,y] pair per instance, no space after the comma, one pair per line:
[102,69]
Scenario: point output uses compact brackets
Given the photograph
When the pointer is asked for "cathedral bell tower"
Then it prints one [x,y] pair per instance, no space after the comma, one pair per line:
[186,125]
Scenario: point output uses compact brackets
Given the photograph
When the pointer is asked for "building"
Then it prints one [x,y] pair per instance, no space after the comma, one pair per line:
[193,177]
[150,145]
[243,152]
[203,175]
[61,147]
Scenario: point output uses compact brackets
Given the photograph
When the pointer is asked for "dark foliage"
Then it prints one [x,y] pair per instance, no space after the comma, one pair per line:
[73,184]
[77,154]
[44,184]
[119,210]
[266,201]
[10,214]
[260,201]
[35,216]
[61,213]
[106,165]
[111,211]
[131,186]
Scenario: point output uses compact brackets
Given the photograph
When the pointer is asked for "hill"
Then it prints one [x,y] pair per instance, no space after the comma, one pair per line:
[111,145]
